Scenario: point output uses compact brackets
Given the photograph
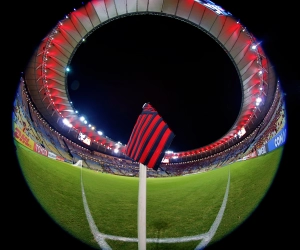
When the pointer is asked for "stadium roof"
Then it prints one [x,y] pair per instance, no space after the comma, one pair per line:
[46,74]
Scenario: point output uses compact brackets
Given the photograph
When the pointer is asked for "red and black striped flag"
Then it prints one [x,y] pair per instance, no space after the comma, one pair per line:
[150,138]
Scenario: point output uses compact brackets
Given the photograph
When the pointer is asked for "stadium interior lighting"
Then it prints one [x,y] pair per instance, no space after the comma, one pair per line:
[82,118]
[99,132]
[68,69]
[169,152]
[258,101]
[116,150]
[67,123]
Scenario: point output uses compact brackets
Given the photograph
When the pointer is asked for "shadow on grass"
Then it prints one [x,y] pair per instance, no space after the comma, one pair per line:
[160,226]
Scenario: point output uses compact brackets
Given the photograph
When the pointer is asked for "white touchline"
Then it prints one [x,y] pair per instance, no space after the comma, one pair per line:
[217,221]
[97,235]
[205,237]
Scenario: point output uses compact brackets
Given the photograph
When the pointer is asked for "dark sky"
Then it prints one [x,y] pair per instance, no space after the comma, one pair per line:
[124,77]
[159,60]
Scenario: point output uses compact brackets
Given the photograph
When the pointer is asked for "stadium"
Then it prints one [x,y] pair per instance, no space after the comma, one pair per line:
[46,123]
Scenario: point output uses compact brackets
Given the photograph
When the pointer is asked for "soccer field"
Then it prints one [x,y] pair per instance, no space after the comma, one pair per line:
[181,211]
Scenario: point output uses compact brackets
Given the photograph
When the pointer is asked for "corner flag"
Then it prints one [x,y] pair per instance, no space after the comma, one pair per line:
[149,139]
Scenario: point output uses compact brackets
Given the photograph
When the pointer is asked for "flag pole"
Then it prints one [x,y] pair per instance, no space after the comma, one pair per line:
[142,208]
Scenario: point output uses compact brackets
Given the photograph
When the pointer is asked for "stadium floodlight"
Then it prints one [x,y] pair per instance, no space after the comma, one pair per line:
[99,132]
[67,123]
[82,118]
[116,150]
[258,101]
[253,46]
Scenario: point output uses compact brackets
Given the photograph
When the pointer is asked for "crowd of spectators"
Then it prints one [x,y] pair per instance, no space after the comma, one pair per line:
[28,118]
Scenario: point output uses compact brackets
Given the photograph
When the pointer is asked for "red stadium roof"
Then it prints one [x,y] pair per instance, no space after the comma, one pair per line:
[45,76]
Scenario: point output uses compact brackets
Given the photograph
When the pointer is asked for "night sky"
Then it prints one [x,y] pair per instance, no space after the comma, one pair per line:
[121,66]
[181,71]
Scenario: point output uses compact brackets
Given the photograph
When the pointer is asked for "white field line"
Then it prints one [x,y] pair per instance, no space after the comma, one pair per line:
[217,221]
[97,235]
[205,237]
